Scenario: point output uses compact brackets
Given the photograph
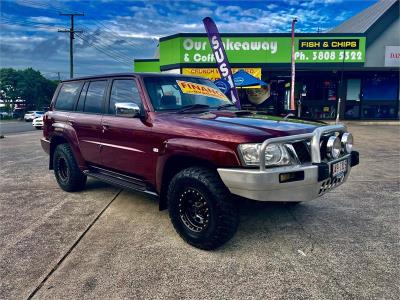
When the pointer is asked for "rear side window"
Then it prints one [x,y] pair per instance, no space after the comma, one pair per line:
[82,96]
[123,91]
[67,95]
[94,97]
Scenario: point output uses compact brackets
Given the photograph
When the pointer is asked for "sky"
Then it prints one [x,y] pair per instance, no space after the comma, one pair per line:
[113,33]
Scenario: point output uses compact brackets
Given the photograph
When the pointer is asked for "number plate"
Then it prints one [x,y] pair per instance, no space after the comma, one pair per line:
[339,168]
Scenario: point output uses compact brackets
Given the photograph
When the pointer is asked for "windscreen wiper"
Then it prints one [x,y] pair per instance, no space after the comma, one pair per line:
[222,106]
[192,107]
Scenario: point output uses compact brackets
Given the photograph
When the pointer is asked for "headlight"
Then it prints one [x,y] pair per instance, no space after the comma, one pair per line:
[347,142]
[333,147]
[275,155]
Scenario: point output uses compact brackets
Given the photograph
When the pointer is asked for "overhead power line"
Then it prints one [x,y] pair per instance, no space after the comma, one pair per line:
[101,38]
[102,50]
[102,47]
[72,32]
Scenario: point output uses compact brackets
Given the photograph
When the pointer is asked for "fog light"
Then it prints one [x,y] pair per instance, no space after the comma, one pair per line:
[333,147]
[347,142]
[292,176]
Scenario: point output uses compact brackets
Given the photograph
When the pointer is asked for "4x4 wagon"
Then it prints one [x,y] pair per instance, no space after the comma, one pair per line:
[180,139]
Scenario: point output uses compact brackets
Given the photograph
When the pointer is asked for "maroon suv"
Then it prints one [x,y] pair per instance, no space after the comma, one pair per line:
[180,139]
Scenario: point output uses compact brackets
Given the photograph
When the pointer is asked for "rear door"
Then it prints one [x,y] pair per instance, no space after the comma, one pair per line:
[86,119]
[126,141]
[64,104]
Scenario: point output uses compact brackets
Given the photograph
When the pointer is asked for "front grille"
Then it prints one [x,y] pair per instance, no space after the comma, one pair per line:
[302,149]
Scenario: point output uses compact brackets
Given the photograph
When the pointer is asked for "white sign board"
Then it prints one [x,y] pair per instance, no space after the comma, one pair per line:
[392,56]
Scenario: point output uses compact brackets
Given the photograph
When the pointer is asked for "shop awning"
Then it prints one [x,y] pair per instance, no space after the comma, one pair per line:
[244,79]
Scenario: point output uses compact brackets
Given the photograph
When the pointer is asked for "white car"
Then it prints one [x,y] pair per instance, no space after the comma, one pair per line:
[38,122]
[32,115]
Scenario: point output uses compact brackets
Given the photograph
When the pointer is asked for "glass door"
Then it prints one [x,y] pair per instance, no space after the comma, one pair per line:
[353,99]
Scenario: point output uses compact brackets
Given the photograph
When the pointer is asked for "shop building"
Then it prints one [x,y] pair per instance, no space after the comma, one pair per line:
[358,62]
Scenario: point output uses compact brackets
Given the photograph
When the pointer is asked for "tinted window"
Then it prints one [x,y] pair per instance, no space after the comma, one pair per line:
[380,87]
[94,97]
[67,95]
[123,90]
[82,96]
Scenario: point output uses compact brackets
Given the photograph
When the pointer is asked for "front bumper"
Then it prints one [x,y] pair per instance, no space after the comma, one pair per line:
[266,185]
[310,181]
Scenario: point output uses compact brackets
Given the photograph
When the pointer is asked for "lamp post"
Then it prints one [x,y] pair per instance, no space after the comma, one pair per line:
[292,102]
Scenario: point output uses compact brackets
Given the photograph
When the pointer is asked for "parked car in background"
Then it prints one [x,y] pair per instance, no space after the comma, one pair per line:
[179,138]
[38,122]
[31,115]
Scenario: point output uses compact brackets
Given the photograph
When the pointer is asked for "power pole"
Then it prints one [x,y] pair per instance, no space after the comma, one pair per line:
[71,41]
[292,106]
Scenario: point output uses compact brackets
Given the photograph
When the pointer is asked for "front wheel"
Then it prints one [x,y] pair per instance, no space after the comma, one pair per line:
[201,208]
[68,175]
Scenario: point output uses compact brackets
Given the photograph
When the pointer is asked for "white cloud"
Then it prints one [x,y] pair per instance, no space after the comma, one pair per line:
[43,19]
[137,27]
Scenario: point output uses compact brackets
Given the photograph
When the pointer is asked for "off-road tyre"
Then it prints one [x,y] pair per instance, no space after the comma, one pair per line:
[68,175]
[222,220]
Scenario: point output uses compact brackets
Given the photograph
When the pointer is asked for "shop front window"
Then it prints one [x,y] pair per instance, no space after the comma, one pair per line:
[380,87]
[378,111]
[380,96]
[319,98]
[320,90]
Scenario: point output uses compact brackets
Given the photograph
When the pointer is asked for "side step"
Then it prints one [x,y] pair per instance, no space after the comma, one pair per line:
[117,179]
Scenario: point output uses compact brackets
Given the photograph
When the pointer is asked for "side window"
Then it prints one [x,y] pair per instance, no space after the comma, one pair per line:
[82,96]
[94,97]
[67,95]
[123,90]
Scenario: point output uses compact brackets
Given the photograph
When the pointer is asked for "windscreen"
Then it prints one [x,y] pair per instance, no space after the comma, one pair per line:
[174,93]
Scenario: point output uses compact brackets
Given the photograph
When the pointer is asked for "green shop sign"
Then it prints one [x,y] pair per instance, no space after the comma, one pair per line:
[260,50]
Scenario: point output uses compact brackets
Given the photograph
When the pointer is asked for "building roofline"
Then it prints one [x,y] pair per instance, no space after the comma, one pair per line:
[365,19]
[299,34]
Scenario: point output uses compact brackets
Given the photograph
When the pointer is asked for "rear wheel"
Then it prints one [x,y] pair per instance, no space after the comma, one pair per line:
[68,175]
[201,208]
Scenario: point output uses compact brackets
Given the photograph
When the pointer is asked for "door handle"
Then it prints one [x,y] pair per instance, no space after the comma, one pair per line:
[105,127]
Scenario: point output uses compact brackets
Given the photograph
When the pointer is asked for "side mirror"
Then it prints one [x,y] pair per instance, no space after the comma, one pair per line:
[127,110]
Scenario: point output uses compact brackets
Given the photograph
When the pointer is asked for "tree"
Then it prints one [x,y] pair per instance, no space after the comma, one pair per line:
[29,85]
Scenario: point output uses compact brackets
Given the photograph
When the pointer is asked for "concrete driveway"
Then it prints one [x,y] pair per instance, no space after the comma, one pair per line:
[107,243]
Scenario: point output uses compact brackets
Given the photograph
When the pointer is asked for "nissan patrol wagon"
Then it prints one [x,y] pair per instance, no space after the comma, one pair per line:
[180,139]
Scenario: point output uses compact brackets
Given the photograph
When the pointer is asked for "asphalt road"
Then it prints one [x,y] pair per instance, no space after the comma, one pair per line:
[104,243]
[10,127]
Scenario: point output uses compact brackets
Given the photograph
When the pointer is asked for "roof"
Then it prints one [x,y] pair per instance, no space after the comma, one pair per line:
[257,34]
[146,74]
[363,21]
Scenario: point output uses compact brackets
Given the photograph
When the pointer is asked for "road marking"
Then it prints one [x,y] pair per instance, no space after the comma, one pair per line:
[72,247]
